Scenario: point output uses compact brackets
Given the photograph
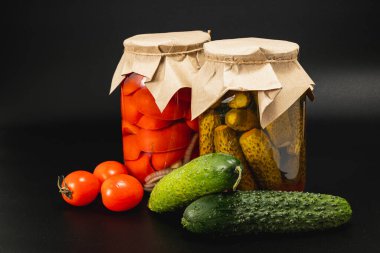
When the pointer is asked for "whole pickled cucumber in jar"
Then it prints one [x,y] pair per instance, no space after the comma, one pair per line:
[263,157]
[226,141]
[242,119]
[207,123]
[240,99]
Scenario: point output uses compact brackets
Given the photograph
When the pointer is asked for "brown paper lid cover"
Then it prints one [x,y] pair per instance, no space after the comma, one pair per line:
[168,61]
[251,64]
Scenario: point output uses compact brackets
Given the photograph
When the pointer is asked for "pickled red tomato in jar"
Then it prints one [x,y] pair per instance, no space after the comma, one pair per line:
[155,140]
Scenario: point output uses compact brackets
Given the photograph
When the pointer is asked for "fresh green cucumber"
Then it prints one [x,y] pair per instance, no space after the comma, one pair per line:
[265,211]
[211,173]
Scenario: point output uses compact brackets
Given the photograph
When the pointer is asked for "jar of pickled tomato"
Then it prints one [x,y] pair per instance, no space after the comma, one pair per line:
[155,74]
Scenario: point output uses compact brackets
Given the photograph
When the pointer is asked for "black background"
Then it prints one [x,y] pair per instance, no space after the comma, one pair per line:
[56,116]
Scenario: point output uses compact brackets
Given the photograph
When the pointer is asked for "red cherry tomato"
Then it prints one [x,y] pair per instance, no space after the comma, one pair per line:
[193,124]
[108,169]
[79,188]
[121,192]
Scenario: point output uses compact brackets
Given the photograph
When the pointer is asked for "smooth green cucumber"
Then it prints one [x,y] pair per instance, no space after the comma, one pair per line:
[211,173]
[265,211]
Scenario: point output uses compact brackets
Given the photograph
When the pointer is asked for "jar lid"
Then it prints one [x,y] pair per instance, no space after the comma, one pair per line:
[168,61]
[269,67]
[166,43]
[251,51]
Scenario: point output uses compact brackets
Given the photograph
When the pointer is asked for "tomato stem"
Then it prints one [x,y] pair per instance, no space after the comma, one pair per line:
[64,189]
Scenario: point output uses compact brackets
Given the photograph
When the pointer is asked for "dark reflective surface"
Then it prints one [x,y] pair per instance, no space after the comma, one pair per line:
[34,218]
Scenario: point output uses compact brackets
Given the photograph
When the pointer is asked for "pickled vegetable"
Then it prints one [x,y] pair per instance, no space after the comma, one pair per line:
[130,147]
[241,99]
[193,124]
[184,94]
[241,119]
[164,160]
[155,140]
[207,123]
[147,122]
[141,167]
[260,154]
[226,141]
[130,110]
[131,84]
[129,128]
[145,104]
[174,137]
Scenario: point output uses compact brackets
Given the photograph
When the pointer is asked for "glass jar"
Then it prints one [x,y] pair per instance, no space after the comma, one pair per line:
[155,140]
[156,73]
[250,97]
[273,157]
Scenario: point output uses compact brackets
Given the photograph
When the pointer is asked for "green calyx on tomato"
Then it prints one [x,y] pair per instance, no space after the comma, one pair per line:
[65,188]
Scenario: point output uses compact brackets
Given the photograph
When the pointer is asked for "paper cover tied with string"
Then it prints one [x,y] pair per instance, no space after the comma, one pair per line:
[269,67]
[168,61]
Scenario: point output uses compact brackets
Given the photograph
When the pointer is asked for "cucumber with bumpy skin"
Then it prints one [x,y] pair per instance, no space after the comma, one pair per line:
[265,211]
[211,173]
[226,141]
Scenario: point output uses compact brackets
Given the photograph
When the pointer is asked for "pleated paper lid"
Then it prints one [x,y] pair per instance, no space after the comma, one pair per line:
[251,64]
[168,61]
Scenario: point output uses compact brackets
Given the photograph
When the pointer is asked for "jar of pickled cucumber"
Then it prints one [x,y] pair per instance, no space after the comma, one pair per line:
[155,74]
[250,98]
